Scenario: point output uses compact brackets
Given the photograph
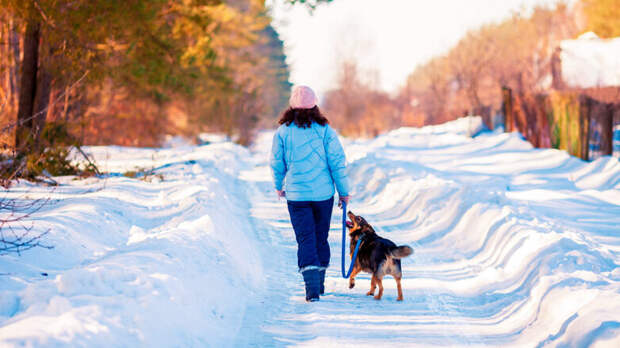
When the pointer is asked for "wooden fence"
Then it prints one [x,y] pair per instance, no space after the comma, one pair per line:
[578,121]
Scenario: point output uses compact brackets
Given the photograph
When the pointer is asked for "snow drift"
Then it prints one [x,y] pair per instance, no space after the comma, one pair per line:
[515,247]
[166,263]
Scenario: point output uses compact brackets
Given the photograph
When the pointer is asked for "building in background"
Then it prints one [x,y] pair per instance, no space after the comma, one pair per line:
[590,66]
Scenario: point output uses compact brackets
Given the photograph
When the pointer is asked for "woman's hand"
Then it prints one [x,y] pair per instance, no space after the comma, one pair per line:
[343,199]
[281,194]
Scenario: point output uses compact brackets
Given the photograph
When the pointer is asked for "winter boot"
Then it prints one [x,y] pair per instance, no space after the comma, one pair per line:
[322,282]
[311,278]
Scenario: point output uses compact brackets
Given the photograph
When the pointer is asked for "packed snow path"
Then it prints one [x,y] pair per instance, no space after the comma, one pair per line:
[514,247]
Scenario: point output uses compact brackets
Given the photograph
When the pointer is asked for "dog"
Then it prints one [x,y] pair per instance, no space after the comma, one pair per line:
[377,256]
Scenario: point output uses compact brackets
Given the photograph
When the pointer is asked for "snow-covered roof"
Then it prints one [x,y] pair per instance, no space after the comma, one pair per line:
[590,61]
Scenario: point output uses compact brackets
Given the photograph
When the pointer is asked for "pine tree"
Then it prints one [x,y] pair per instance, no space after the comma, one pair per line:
[220,62]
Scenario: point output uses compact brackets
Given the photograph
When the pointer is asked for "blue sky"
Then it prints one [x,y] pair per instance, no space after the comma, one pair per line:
[386,37]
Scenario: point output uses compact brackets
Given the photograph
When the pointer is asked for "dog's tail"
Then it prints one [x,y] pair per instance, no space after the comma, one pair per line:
[401,252]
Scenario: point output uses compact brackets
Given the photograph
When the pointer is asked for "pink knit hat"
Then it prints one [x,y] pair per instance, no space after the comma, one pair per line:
[302,97]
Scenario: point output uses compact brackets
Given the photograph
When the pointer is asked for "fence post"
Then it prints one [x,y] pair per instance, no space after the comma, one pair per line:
[585,108]
[607,128]
[507,106]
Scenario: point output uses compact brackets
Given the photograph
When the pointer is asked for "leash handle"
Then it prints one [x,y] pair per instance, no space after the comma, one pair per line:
[344,235]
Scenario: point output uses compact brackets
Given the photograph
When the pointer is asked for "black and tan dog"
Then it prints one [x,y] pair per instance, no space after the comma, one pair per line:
[377,256]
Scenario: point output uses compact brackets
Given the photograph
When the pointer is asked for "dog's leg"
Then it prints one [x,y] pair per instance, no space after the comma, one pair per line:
[380,284]
[373,286]
[355,271]
[400,289]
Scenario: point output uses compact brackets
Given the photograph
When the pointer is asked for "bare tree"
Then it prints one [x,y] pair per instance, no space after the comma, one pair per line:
[17,232]
[429,88]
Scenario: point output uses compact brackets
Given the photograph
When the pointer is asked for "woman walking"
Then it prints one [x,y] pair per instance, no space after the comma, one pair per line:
[307,159]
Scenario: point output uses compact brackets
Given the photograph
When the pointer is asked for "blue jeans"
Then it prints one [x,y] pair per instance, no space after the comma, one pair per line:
[311,224]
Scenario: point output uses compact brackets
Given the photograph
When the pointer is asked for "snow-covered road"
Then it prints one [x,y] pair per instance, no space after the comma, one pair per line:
[515,247]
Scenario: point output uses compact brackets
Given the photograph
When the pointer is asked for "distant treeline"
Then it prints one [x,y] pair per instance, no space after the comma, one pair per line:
[129,72]
[516,53]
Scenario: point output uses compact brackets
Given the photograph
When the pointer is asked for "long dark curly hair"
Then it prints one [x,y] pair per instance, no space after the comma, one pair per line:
[303,118]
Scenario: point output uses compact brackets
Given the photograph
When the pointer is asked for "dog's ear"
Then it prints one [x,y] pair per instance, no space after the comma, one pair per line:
[369,230]
[365,226]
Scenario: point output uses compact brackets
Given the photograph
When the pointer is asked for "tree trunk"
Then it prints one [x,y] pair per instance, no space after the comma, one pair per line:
[474,98]
[14,67]
[41,103]
[43,95]
[65,109]
[556,70]
[27,88]
[5,93]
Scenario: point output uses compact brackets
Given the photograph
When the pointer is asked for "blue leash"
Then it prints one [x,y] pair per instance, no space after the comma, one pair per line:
[344,234]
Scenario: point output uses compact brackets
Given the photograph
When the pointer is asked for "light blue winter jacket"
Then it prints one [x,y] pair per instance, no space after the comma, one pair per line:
[308,161]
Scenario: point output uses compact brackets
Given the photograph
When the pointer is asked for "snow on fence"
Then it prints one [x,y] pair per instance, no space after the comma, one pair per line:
[582,122]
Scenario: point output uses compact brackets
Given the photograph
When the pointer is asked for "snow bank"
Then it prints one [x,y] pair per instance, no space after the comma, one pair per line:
[591,62]
[514,247]
[137,264]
